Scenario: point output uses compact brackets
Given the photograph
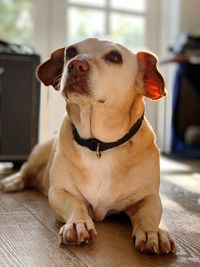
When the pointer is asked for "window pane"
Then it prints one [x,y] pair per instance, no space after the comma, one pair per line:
[16,21]
[84,23]
[88,2]
[132,5]
[128,30]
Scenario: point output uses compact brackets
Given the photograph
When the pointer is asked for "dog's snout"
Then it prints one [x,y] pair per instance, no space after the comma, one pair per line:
[78,67]
[78,74]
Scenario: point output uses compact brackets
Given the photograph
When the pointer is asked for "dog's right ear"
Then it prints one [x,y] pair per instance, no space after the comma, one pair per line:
[50,71]
[149,79]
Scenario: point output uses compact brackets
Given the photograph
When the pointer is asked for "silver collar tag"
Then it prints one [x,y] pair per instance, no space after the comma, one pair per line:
[98,153]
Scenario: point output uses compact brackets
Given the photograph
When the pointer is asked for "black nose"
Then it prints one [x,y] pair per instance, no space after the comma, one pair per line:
[78,67]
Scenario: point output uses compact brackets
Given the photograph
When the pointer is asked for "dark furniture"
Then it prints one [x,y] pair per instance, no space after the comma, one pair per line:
[19,105]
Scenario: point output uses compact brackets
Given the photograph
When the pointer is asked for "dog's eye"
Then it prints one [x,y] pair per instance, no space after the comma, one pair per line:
[114,57]
[71,52]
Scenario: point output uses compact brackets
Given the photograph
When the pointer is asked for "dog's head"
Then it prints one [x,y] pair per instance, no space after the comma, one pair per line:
[101,71]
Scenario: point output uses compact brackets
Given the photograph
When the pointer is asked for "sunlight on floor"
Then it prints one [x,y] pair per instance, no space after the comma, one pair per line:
[172,165]
[5,167]
[170,204]
[183,173]
[189,182]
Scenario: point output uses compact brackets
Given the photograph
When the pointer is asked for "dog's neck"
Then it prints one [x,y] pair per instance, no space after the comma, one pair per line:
[102,122]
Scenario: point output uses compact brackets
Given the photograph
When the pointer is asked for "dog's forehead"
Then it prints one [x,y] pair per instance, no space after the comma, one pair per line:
[96,46]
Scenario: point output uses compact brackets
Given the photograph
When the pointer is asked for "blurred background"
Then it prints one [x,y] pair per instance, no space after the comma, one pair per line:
[31,29]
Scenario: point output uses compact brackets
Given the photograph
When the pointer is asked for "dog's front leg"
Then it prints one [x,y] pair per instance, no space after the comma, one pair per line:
[145,217]
[79,227]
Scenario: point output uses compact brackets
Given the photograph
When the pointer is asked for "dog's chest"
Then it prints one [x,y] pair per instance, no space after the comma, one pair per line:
[97,190]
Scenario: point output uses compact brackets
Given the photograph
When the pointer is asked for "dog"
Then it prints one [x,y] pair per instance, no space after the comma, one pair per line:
[104,159]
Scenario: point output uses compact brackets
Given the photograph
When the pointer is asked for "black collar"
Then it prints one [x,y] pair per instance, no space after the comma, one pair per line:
[98,146]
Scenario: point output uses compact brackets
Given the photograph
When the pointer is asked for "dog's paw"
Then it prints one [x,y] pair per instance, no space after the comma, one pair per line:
[77,232]
[159,242]
[12,183]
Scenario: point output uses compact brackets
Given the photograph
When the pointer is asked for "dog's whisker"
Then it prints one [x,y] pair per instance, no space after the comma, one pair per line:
[57,79]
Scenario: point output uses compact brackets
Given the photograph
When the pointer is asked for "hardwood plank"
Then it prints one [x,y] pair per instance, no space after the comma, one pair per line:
[25,241]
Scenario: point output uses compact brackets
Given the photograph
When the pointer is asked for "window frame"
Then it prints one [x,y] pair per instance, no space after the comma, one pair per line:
[108,10]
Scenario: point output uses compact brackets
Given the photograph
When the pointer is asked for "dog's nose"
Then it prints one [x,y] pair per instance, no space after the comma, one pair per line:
[78,67]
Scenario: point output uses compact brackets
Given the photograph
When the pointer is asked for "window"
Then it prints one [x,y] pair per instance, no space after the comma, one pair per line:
[16,21]
[121,21]
[81,28]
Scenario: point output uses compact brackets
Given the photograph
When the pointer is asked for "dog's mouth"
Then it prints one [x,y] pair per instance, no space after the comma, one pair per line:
[77,85]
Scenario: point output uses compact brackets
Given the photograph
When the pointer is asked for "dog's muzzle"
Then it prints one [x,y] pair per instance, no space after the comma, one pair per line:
[77,79]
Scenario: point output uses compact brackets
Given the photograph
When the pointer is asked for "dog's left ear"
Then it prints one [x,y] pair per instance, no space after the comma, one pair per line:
[150,81]
[50,71]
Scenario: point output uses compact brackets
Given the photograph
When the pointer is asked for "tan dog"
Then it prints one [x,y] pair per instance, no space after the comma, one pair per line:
[104,159]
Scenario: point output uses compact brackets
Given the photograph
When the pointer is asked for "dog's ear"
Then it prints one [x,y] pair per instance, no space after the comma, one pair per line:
[50,71]
[150,81]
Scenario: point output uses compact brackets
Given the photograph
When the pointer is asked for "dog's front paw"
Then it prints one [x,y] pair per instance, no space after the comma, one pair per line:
[77,232]
[154,242]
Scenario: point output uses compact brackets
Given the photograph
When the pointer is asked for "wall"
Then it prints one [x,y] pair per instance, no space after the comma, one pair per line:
[49,34]
[190,15]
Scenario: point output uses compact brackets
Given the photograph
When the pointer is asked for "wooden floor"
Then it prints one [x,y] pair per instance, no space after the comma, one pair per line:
[28,229]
